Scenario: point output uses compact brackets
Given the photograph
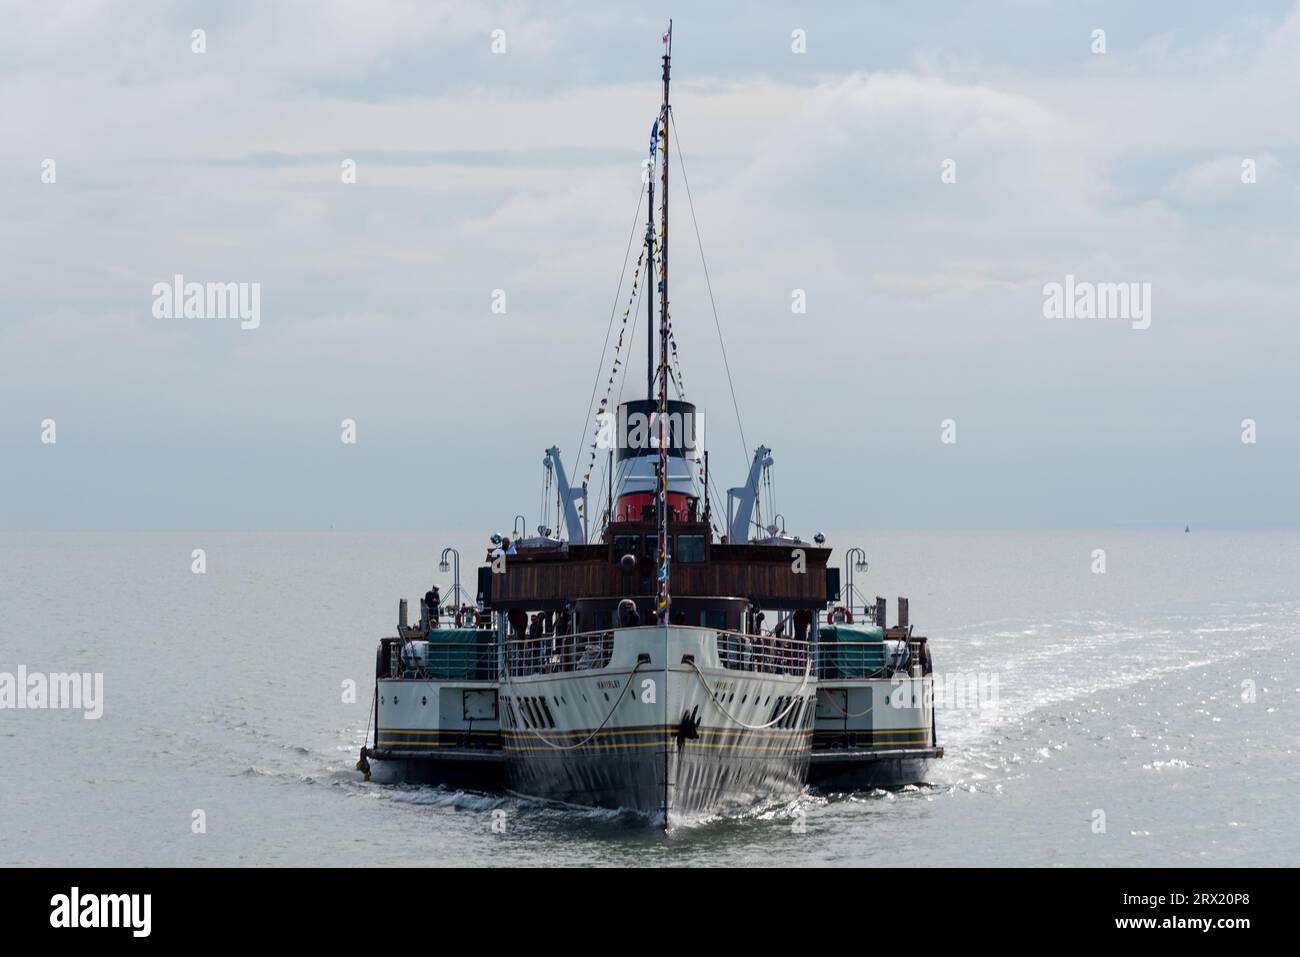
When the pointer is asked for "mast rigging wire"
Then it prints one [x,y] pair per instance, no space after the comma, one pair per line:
[673,376]
[622,381]
[613,311]
[681,162]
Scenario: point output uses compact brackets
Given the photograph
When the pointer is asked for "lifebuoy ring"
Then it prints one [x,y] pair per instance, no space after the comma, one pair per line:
[844,615]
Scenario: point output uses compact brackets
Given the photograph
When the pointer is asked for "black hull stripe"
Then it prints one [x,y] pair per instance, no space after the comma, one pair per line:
[670,729]
[668,743]
[384,743]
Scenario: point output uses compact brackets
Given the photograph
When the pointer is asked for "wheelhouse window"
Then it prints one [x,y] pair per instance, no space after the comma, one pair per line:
[627,545]
[690,548]
[714,619]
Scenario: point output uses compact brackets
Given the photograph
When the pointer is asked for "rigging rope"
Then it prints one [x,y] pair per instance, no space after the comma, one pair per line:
[613,310]
[681,162]
[371,716]
[622,382]
[634,300]
[546,502]
[363,763]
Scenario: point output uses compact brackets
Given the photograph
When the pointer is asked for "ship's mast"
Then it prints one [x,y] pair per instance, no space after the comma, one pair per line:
[650,259]
[664,427]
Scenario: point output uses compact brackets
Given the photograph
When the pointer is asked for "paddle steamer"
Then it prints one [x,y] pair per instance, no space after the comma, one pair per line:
[676,662]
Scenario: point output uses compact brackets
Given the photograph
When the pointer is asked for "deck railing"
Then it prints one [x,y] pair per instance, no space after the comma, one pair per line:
[850,660]
[447,661]
[549,654]
[767,654]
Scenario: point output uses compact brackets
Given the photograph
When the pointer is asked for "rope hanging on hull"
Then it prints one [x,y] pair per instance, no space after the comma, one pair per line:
[573,747]
[754,727]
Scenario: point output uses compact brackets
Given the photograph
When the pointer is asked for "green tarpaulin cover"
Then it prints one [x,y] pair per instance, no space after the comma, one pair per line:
[850,651]
[461,653]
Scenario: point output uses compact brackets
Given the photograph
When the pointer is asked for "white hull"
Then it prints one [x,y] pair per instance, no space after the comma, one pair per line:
[664,728]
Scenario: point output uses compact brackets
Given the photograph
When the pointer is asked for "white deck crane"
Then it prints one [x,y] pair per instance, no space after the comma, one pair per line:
[574,524]
[745,497]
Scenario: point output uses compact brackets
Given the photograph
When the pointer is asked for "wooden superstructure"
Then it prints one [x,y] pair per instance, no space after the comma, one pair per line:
[777,577]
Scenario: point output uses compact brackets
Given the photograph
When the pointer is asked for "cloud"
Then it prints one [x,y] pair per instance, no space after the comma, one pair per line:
[522,173]
[1219,178]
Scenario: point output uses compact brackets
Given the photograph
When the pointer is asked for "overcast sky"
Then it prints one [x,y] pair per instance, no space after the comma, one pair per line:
[818,171]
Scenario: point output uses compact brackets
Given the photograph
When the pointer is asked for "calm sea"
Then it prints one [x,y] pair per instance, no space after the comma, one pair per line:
[1149,715]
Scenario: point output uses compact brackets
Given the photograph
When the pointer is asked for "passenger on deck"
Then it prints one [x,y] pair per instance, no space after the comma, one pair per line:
[535,627]
[518,619]
[565,644]
[430,608]
[507,547]
[802,619]
[628,616]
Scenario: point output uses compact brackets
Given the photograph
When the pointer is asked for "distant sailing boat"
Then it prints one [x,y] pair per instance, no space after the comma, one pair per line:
[1187,528]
